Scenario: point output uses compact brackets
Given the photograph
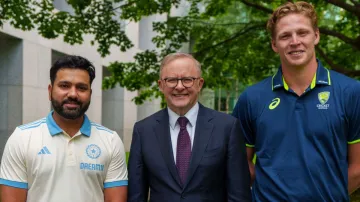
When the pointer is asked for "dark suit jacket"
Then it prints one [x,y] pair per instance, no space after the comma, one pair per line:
[218,168]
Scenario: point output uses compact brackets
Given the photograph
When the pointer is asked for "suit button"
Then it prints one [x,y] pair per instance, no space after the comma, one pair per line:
[182,197]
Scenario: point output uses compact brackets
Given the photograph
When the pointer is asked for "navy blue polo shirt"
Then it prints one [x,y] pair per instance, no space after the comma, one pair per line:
[301,142]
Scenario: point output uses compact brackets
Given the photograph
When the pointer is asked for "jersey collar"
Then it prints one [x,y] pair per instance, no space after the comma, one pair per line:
[54,129]
[321,77]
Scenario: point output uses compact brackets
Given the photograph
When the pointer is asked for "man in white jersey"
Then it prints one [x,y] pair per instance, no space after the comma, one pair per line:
[64,156]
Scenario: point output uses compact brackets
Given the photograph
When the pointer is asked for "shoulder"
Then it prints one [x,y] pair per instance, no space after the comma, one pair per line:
[256,94]
[33,125]
[344,84]
[150,120]
[24,132]
[101,128]
[254,91]
[217,116]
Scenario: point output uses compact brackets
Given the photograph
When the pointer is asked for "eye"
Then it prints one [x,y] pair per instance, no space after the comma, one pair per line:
[187,80]
[286,36]
[171,80]
[63,85]
[82,88]
[303,33]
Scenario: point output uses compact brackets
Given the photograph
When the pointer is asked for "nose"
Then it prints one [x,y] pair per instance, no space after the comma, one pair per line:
[294,40]
[179,85]
[72,92]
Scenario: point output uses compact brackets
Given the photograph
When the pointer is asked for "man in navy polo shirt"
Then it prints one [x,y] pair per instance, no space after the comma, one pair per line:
[303,123]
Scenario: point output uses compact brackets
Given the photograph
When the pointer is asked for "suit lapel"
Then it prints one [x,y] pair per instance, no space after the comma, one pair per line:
[203,133]
[162,132]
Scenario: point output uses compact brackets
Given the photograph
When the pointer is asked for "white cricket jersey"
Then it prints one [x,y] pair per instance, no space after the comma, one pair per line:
[54,167]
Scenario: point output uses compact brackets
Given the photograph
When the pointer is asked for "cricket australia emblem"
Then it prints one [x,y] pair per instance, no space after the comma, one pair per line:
[323,97]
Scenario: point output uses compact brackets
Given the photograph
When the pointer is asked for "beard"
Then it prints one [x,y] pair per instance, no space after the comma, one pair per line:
[70,113]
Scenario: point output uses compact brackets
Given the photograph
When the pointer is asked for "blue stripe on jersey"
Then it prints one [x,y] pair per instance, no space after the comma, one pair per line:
[115,184]
[33,124]
[100,127]
[10,183]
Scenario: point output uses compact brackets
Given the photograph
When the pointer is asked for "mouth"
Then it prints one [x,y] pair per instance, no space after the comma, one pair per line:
[71,105]
[296,52]
[180,95]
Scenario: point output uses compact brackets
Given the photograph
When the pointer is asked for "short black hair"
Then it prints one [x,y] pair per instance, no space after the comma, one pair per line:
[72,62]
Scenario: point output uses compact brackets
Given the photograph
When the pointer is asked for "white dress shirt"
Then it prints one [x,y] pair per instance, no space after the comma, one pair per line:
[191,115]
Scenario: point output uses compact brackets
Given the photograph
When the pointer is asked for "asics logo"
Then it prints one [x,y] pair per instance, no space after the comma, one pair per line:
[275,102]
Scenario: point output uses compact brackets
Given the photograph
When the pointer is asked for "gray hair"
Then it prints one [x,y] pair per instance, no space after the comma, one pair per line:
[173,56]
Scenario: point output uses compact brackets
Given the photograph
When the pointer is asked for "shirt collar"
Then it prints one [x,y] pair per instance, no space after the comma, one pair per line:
[321,77]
[54,129]
[191,115]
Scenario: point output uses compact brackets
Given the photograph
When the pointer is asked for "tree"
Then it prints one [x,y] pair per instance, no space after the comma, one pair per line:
[230,39]
[227,36]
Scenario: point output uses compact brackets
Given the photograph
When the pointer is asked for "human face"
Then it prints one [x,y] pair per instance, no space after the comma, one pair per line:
[295,40]
[181,99]
[70,94]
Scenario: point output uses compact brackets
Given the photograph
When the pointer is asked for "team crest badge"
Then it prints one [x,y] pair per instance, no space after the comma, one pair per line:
[323,97]
[93,151]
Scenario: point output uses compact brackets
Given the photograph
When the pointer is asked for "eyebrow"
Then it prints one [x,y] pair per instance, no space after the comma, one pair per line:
[77,84]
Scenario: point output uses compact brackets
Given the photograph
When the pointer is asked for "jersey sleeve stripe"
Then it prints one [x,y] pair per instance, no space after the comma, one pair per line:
[115,184]
[10,183]
[250,145]
[354,142]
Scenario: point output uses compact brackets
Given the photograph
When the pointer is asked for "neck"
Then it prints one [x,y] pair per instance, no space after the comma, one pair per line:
[70,126]
[182,111]
[300,78]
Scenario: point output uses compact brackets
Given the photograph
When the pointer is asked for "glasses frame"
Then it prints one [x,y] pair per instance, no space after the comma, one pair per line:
[181,79]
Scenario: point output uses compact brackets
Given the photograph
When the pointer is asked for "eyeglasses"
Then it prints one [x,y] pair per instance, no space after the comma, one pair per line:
[187,82]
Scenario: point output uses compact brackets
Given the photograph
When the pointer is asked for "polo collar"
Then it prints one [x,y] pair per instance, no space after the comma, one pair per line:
[321,77]
[54,129]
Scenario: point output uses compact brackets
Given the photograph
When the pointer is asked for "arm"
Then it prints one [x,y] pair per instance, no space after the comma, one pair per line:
[353,98]
[13,176]
[115,194]
[250,151]
[12,194]
[138,184]
[354,167]
[243,112]
[238,176]
[115,185]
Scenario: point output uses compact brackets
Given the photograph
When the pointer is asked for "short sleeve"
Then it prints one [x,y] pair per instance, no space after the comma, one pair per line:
[353,110]
[117,172]
[242,111]
[13,166]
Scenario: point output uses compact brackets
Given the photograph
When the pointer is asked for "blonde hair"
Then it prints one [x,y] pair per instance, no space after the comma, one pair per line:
[173,56]
[299,7]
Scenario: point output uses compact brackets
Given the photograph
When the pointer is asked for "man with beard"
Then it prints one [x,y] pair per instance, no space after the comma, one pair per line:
[64,156]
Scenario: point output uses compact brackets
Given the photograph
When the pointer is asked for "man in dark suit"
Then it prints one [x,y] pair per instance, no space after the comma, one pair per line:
[187,152]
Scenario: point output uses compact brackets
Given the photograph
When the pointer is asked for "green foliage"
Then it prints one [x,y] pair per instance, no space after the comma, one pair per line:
[228,37]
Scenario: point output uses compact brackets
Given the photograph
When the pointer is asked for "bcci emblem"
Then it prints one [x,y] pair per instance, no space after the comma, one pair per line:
[93,151]
[323,98]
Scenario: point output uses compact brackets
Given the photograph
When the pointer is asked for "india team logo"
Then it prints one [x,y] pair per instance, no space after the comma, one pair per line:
[93,151]
[323,98]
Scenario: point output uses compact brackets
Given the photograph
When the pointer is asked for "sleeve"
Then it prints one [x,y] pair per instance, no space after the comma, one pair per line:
[117,172]
[13,166]
[242,111]
[238,174]
[353,112]
[138,182]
